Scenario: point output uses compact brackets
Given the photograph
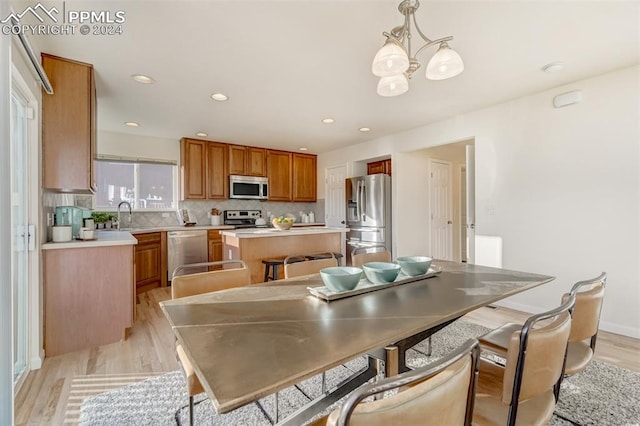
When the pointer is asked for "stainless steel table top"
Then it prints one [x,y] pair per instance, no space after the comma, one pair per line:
[249,342]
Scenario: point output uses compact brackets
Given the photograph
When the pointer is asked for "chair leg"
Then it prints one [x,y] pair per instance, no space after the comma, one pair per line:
[324,382]
[276,415]
[191,410]
[429,349]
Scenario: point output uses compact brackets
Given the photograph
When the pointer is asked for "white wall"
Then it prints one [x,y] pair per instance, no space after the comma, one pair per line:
[560,186]
[135,146]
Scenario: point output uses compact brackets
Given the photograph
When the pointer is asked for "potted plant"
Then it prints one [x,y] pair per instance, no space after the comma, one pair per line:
[101,218]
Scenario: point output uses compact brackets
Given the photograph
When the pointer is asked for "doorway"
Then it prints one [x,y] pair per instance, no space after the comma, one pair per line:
[440,201]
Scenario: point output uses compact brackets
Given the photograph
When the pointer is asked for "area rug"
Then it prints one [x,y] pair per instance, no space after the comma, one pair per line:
[602,395]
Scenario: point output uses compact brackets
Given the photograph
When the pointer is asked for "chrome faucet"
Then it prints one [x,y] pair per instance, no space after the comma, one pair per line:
[128,205]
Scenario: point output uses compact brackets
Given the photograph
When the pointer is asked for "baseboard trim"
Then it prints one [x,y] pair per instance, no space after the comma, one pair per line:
[36,362]
[604,325]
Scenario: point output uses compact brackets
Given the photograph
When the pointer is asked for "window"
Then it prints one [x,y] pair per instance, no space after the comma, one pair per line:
[145,185]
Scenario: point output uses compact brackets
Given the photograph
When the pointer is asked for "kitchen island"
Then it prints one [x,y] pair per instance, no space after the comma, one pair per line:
[255,245]
[88,292]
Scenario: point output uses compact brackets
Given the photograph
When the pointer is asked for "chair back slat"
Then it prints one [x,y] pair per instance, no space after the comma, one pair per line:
[543,359]
[442,392]
[206,282]
[292,270]
[379,256]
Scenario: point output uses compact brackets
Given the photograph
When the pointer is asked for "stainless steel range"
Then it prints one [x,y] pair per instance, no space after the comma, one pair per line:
[242,218]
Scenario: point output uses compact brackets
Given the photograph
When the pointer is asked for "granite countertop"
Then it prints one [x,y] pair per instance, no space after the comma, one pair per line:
[272,232]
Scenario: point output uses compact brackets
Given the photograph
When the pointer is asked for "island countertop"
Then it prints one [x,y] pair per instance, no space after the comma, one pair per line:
[272,232]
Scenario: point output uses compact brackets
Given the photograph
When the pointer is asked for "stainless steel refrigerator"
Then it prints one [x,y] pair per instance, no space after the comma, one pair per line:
[368,214]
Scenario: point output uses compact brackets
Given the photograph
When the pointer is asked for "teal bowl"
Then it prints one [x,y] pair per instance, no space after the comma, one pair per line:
[414,265]
[341,278]
[381,272]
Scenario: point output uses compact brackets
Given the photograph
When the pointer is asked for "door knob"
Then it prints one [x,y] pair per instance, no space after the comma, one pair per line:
[449,222]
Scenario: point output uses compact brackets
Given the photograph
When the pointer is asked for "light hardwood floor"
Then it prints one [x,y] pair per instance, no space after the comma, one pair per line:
[150,348]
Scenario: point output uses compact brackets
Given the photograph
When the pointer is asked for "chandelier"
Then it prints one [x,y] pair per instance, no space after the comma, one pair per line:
[395,64]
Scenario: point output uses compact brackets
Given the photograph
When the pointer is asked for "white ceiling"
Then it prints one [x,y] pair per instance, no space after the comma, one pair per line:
[285,65]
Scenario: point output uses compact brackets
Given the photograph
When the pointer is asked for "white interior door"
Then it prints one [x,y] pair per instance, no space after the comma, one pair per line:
[19,231]
[441,210]
[335,203]
[463,214]
[470,203]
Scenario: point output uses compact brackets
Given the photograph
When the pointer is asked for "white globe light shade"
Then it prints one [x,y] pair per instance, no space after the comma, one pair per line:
[391,59]
[393,85]
[446,63]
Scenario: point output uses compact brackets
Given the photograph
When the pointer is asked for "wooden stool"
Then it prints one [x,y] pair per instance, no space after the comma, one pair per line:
[268,265]
[272,274]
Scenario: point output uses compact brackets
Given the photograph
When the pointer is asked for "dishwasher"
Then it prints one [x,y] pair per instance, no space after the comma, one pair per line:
[186,247]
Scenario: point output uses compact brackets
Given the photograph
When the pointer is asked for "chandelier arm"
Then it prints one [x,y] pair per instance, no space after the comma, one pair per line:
[432,42]
[415,23]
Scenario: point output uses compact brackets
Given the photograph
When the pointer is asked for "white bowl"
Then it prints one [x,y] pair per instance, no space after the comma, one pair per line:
[414,265]
[341,278]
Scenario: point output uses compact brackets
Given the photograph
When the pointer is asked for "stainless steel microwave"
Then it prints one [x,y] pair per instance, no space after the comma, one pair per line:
[248,187]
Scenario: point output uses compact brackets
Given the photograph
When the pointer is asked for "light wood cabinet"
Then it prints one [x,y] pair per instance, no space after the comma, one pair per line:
[89,297]
[69,126]
[382,166]
[193,154]
[217,175]
[304,177]
[149,261]
[247,161]
[279,175]
[204,169]
[215,247]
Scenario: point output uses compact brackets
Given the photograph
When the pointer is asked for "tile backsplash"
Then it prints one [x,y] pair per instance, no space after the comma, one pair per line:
[198,209]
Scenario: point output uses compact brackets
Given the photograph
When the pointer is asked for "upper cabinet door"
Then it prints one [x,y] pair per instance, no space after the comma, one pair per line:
[382,166]
[256,161]
[304,177]
[68,126]
[217,175]
[194,169]
[237,160]
[279,173]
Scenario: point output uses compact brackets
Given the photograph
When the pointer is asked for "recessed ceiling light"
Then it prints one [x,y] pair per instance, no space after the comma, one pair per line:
[364,129]
[144,79]
[328,120]
[219,97]
[131,124]
[202,134]
[553,67]
[303,148]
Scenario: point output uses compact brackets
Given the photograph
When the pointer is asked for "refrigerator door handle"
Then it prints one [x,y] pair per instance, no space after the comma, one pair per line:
[364,202]
[358,205]
[364,230]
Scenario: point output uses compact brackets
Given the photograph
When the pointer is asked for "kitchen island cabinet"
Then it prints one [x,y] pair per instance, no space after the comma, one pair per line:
[254,245]
[89,293]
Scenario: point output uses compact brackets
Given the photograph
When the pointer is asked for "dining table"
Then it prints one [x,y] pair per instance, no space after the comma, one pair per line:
[249,342]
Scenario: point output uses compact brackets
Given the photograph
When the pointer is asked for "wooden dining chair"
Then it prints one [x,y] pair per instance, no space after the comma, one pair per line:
[199,283]
[589,296]
[298,265]
[358,259]
[523,390]
[441,393]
